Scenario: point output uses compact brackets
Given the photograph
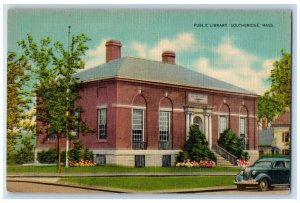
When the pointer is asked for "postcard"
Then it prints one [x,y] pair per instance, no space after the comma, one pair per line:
[148,100]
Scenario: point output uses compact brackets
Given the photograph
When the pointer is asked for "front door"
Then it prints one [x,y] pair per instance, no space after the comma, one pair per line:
[198,121]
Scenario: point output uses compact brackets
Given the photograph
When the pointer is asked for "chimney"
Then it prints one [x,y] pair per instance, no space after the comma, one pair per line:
[168,57]
[113,50]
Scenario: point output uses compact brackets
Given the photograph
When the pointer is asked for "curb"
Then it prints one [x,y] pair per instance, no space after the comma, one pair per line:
[40,175]
[124,191]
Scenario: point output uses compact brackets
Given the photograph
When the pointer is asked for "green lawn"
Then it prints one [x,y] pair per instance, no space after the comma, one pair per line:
[154,183]
[114,169]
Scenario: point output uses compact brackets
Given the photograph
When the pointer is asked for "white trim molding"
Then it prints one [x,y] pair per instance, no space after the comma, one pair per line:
[165,109]
[127,106]
[178,110]
[102,106]
[232,114]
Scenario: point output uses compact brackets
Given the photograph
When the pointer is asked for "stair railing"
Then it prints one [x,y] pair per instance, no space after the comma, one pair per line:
[226,155]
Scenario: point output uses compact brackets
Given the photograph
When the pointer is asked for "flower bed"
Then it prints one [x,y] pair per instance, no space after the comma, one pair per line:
[202,164]
[242,163]
[82,163]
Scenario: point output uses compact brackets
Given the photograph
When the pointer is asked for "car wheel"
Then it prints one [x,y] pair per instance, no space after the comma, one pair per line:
[240,187]
[263,185]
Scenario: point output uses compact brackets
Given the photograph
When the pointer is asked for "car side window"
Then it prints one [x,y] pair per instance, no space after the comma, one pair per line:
[279,164]
[288,164]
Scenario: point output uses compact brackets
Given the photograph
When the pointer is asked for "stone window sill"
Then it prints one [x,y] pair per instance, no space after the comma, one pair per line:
[101,141]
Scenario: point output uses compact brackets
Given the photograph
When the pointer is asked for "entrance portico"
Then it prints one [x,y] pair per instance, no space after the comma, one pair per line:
[200,116]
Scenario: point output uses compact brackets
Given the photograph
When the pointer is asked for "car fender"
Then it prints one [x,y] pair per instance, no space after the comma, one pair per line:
[261,176]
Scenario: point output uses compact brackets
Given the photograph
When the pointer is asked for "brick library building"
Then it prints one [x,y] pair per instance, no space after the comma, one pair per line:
[142,109]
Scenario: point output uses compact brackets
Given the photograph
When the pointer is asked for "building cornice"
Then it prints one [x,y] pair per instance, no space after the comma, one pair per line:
[177,86]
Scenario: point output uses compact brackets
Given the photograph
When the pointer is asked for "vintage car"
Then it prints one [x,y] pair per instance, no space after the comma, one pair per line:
[264,173]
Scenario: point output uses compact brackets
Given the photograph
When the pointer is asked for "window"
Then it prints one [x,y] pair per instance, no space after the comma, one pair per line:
[242,127]
[100,159]
[137,125]
[139,161]
[262,164]
[51,137]
[102,132]
[164,125]
[285,137]
[286,151]
[279,164]
[223,123]
[243,131]
[166,160]
[288,164]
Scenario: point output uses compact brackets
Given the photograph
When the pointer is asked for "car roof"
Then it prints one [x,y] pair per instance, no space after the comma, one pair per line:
[274,159]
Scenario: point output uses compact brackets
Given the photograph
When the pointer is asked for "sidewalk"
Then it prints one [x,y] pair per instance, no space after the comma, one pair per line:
[56,182]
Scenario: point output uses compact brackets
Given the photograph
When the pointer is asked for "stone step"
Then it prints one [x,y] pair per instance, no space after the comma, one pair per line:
[221,161]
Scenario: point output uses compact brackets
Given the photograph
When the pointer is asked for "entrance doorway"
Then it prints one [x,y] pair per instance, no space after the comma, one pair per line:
[198,122]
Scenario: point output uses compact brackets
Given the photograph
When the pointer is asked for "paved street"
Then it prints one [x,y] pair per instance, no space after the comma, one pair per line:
[253,191]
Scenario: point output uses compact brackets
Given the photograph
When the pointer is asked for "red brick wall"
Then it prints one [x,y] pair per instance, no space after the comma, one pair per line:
[93,96]
[119,95]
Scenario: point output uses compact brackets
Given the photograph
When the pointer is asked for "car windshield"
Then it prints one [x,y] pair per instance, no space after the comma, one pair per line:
[263,164]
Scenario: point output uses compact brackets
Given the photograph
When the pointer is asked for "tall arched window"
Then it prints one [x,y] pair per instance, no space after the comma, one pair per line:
[243,126]
[165,113]
[224,113]
[138,122]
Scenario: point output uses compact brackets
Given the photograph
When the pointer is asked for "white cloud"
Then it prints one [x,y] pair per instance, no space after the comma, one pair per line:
[96,56]
[236,66]
[231,55]
[181,42]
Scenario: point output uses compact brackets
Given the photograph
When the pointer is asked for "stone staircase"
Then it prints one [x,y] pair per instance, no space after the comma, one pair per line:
[223,162]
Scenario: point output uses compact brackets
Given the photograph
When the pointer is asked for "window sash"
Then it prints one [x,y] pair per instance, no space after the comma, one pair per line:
[102,126]
[137,125]
[223,123]
[285,137]
[164,125]
[243,127]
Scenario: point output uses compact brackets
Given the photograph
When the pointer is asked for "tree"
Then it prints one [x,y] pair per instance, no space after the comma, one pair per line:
[18,99]
[229,141]
[56,87]
[278,97]
[196,147]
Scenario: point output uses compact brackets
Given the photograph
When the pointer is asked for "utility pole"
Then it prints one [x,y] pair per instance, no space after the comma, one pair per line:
[68,105]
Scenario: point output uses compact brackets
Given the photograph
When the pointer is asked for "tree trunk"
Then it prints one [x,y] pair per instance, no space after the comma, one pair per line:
[58,156]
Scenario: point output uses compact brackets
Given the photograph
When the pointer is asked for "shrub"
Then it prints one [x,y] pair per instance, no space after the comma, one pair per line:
[47,156]
[50,156]
[196,147]
[79,153]
[229,141]
[183,155]
[26,153]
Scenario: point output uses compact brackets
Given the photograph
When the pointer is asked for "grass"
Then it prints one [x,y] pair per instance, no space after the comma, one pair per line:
[154,183]
[114,169]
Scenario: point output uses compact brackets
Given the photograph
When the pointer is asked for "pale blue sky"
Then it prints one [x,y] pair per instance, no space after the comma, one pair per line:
[242,56]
